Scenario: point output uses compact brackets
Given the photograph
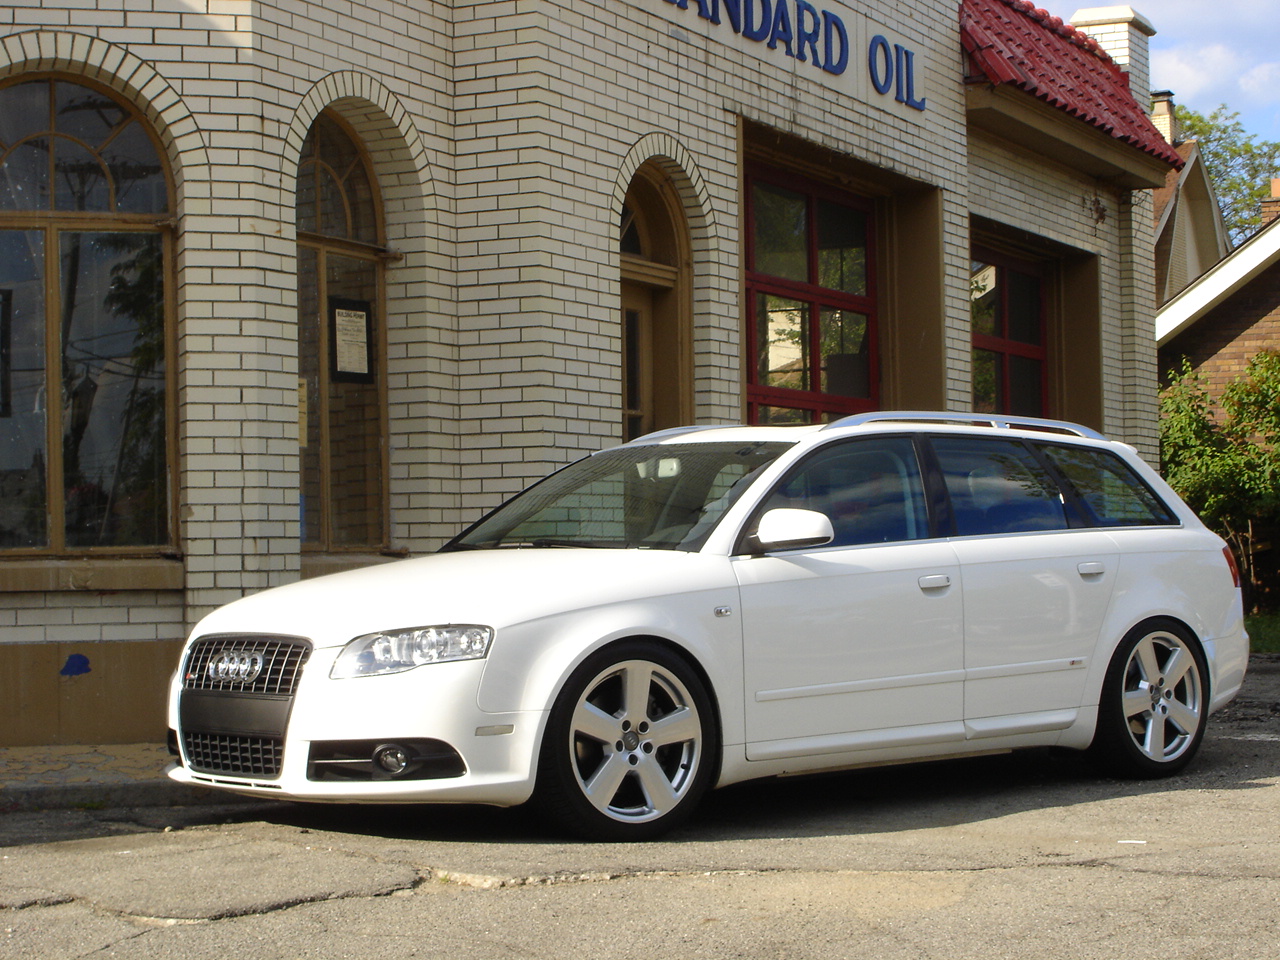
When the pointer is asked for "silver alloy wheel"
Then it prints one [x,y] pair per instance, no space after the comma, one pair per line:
[1163,696]
[636,741]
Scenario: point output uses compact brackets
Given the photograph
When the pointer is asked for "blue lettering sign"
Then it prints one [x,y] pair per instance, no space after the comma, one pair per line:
[807,36]
[893,70]
[781,28]
[907,78]
[817,36]
[761,30]
[734,9]
[835,43]
[880,64]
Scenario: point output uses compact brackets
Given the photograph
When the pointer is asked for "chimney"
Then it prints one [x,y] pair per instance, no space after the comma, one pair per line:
[1124,35]
[1163,116]
[1271,205]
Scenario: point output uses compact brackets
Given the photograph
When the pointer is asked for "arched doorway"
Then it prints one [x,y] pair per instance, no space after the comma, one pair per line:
[341,250]
[657,349]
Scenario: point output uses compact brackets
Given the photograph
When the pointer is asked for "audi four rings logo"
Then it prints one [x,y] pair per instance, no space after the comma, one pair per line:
[235,667]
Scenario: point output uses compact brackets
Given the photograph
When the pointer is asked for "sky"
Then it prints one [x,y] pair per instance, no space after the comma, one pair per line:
[1211,52]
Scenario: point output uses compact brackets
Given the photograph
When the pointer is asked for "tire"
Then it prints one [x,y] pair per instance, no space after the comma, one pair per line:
[630,746]
[1155,703]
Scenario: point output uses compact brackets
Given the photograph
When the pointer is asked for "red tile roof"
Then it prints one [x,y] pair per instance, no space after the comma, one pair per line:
[1013,42]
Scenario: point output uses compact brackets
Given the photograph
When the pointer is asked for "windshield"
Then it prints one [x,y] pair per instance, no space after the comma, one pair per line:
[666,496]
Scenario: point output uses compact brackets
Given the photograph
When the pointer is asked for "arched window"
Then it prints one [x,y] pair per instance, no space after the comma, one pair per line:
[653,240]
[340,355]
[85,398]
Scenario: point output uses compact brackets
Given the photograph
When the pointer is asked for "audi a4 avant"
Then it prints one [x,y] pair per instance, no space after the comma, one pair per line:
[708,605]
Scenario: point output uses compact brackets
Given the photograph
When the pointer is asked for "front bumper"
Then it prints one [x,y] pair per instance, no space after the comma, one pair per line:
[471,756]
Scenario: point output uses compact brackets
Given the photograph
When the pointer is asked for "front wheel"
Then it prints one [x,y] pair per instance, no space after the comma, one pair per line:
[629,746]
[1155,702]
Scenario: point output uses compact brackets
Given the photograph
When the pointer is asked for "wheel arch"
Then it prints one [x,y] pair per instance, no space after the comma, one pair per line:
[1108,647]
[665,643]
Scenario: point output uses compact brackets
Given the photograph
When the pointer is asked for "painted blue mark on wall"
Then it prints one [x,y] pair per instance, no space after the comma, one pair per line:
[77,664]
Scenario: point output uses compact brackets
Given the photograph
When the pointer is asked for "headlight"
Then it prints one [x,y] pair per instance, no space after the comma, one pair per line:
[394,651]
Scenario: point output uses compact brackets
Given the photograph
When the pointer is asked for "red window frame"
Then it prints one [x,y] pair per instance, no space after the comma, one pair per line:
[1006,347]
[813,404]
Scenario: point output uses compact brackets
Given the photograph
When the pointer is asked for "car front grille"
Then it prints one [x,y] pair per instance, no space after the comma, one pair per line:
[237,694]
[234,755]
[279,663]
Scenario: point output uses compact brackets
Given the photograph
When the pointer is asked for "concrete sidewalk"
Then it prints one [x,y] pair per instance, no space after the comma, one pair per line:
[58,777]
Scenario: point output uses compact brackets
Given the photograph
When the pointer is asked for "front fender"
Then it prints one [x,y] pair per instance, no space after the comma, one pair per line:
[530,662]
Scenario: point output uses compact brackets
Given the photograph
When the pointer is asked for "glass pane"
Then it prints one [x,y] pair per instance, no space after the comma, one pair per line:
[846,362]
[85,114]
[1114,494]
[996,486]
[631,392]
[663,497]
[114,467]
[137,171]
[630,234]
[23,391]
[842,248]
[24,176]
[309,406]
[782,342]
[355,431]
[332,207]
[1024,322]
[80,180]
[780,232]
[984,299]
[781,416]
[364,226]
[24,110]
[306,199]
[1026,387]
[871,491]
[988,386]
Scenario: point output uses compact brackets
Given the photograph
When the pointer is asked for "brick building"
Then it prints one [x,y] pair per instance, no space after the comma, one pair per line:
[288,287]
[1229,314]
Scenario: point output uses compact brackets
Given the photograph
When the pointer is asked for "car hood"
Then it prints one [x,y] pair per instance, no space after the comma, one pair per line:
[493,587]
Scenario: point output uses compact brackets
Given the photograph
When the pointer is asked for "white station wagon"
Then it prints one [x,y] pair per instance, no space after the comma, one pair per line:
[707,605]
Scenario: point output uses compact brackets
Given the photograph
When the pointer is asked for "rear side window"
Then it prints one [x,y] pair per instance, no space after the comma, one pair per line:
[1112,494]
[998,486]
[870,490]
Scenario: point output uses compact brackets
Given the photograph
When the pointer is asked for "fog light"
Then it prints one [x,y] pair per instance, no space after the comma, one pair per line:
[391,758]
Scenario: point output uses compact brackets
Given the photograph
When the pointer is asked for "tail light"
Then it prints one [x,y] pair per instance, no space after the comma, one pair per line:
[1234,567]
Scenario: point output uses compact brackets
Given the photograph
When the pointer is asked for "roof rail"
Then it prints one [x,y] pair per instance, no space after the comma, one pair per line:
[997,421]
[677,431]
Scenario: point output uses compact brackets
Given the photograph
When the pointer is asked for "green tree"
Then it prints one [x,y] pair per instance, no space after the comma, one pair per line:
[1225,463]
[1240,166]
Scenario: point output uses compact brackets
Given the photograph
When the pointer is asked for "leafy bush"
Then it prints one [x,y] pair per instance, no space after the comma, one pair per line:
[1225,461]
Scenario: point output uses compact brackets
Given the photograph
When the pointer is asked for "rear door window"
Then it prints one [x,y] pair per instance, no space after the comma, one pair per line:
[998,486]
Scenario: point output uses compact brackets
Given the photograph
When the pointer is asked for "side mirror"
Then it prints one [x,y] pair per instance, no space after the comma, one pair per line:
[786,528]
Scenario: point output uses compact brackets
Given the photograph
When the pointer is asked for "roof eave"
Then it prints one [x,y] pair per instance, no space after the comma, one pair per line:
[1220,281]
[1024,119]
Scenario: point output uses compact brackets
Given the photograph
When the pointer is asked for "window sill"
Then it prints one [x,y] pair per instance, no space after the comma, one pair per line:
[119,573]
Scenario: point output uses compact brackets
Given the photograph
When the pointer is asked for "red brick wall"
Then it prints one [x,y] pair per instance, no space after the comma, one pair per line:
[1220,344]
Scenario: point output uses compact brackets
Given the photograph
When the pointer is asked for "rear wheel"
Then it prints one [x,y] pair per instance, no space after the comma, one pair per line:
[629,746]
[1155,702]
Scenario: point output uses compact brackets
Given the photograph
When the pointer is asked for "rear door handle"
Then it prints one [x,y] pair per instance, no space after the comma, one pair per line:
[1091,568]
[935,581]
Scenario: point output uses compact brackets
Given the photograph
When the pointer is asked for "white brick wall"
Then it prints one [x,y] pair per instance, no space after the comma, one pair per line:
[504,134]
